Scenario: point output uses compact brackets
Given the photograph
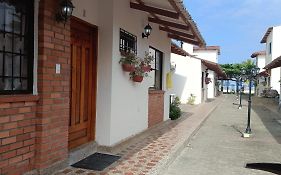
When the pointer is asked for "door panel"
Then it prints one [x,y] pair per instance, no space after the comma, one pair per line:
[83,84]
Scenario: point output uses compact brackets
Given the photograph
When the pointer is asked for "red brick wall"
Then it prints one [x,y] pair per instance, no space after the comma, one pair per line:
[34,129]
[53,107]
[155,107]
[17,133]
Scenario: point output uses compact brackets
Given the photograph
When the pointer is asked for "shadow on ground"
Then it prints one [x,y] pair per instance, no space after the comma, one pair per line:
[266,109]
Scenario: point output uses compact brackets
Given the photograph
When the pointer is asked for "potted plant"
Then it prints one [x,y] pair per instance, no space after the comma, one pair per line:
[128,61]
[175,110]
[138,74]
[146,63]
[208,80]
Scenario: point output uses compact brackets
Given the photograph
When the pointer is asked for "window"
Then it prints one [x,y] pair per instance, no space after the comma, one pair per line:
[157,67]
[270,47]
[269,81]
[202,80]
[16,46]
[128,42]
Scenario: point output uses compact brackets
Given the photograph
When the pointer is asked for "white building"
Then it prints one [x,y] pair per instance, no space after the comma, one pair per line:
[263,75]
[211,55]
[272,39]
[191,70]
[76,91]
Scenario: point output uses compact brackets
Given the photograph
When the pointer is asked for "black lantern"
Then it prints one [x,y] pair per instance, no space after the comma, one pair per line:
[243,71]
[255,71]
[207,73]
[250,75]
[65,11]
[147,31]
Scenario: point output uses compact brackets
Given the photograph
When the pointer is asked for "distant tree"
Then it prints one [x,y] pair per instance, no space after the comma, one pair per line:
[233,71]
[248,64]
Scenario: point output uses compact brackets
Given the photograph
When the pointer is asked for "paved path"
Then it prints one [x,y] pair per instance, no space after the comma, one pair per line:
[155,149]
[219,149]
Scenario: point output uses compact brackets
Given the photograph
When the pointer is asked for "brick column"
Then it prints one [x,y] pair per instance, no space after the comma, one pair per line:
[53,89]
[155,107]
[17,133]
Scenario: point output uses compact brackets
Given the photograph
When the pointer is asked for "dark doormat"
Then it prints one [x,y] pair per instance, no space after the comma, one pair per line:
[270,167]
[97,161]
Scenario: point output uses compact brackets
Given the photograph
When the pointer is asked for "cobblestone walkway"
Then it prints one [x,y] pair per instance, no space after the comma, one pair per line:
[152,153]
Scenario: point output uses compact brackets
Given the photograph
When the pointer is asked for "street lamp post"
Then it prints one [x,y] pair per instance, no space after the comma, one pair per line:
[250,74]
[240,101]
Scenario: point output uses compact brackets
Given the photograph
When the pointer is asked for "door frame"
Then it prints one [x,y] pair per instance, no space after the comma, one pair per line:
[95,63]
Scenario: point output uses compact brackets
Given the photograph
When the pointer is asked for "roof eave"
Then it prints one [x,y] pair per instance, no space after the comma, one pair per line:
[269,30]
[184,12]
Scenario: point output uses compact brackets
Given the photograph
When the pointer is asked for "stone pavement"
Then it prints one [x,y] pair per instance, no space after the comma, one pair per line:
[153,150]
[219,149]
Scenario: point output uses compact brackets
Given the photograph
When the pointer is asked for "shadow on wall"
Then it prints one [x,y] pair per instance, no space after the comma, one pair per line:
[179,83]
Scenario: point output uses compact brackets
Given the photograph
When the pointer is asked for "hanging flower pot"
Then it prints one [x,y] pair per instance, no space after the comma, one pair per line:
[208,80]
[137,78]
[146,62]
[146,68]
[128,67]
[128,61]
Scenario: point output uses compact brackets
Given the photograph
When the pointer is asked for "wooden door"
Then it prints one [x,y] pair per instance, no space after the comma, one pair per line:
[83,83]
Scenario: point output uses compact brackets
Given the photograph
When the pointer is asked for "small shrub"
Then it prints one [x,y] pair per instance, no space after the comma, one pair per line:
[175,111]
[191,99]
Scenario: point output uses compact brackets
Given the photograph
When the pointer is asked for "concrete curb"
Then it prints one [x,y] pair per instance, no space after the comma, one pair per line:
[178,148]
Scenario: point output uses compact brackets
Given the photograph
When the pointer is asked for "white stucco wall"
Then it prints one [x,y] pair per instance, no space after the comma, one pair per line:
[276,42]
[187,78]
[211,85]
[260,63]
[89,10]
[130,100]
[122,105]
[209,55]
[275,39]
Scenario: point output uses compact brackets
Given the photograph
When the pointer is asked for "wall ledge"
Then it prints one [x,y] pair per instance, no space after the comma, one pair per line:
[154,91]
[18,98]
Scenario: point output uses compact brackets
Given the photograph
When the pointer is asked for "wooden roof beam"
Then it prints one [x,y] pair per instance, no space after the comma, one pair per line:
[154,10]
[173,36]
[168,23]
[176,32]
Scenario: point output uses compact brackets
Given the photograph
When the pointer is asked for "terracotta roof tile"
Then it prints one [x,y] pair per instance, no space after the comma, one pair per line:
[274,64]
[178,50]
[269,30]
[255,54]
[208,48]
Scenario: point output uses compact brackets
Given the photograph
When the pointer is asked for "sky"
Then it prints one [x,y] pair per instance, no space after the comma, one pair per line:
[237,26]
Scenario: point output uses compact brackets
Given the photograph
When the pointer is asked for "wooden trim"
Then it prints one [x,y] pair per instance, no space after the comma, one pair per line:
[174,5]
[18,98]
[73,18]
[91,101]
[154,10]
[168,23]
[95,82]
[176,32]
[177,50]
[183,39]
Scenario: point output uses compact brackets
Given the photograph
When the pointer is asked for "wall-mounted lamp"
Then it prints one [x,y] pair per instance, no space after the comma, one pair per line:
[173,67]
[207,73]
[147,31]
[65,10]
